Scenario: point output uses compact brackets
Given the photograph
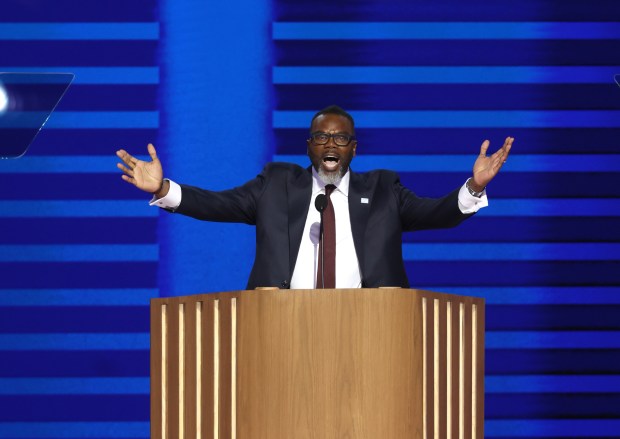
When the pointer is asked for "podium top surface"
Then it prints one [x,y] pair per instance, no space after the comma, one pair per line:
[348,293]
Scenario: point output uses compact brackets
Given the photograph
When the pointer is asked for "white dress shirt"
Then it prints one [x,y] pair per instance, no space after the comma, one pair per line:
[347,266]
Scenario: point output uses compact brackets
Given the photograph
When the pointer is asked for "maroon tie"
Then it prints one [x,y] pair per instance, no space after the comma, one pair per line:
[327,248]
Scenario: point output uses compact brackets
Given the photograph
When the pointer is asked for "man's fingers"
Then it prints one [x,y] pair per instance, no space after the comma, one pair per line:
[504,150]
[126,170]
[507,147]
[126,157]
[152,151]
[129,179]
[499,163]
[483,148]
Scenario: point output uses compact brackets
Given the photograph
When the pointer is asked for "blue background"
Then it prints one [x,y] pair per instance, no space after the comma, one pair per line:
[221,88]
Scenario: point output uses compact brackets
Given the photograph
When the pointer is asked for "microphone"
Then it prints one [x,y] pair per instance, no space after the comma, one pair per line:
[320,203]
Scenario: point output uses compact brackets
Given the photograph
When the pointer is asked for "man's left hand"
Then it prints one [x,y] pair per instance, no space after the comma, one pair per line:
[486,168]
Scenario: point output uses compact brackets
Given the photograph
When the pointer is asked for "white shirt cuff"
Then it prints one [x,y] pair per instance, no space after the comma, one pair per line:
[172,200]
[470,204]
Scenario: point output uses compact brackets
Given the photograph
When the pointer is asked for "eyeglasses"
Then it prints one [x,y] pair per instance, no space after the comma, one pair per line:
[320,138]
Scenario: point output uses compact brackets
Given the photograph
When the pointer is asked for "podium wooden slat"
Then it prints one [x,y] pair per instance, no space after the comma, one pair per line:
[467,410]
[226,372]
[191,361]
[454,370]
[442,332]
[156,371]
[208,356]
[429,355]
[479,371]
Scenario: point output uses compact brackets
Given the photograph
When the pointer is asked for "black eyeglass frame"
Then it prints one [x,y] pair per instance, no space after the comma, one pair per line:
[331,136]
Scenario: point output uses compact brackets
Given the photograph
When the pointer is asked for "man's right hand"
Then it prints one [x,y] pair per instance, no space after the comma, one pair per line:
[147,176]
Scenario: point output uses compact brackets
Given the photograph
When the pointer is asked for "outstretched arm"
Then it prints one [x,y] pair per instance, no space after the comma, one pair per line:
[147,176]
[486,168]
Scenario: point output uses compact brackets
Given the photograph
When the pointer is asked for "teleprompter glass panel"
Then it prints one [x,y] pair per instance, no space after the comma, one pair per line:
[26,102]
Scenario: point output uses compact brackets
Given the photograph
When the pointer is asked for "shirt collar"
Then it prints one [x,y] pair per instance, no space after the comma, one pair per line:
[319,186]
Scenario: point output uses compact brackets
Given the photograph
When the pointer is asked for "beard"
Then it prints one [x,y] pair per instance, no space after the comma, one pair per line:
[330,177]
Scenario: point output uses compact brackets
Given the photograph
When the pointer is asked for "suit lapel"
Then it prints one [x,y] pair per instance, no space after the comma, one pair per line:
[299,191]
[358,212]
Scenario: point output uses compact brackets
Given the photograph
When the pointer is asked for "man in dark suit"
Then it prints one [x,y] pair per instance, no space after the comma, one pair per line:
[371,209]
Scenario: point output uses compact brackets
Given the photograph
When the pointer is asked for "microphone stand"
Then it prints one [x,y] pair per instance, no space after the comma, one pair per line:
[322,245]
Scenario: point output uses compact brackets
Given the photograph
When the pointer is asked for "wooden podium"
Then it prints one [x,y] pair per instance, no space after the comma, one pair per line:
[295,364]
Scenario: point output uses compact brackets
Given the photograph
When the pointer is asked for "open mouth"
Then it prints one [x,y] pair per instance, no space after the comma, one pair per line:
[330,163]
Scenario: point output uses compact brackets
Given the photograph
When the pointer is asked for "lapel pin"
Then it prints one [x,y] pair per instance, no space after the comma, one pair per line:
[364,200]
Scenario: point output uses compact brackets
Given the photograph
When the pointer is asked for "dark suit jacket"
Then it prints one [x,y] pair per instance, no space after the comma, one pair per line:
[277,202]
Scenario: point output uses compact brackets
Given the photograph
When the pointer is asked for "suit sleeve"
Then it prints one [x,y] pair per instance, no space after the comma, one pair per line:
[238,205]
[418,213]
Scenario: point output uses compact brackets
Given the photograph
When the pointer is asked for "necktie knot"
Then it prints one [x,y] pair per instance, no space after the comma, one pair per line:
[329,189]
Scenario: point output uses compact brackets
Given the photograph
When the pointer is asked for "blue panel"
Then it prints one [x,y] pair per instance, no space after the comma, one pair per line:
[76,209]
[99,436]
[554,405]
[72,342]
[553,207]
[463,119]
[436,31]
[440,75]
[525,229]
[55,275]
[76,11]
[463,163]
[59,183]
[50,432]
[447,10]
[74,386]
[514,273]
[557,361]
[76,297]
[567,428]
[449,97]
[38,55]
[91,119]
[61,164]
[89,141]
[49,363]
[79,253]
[447,53]
[464,140]
[103,119]
[537,185]
[120,97]
[552,384]
[512,252]
[79,31]
[553,340]
[45,430]
[92,230]
[552,317]
[587,295]
[541,407]
[74,319]
[98,75]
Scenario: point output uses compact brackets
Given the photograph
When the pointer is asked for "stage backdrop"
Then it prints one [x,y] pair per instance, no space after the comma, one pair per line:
[221,89]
